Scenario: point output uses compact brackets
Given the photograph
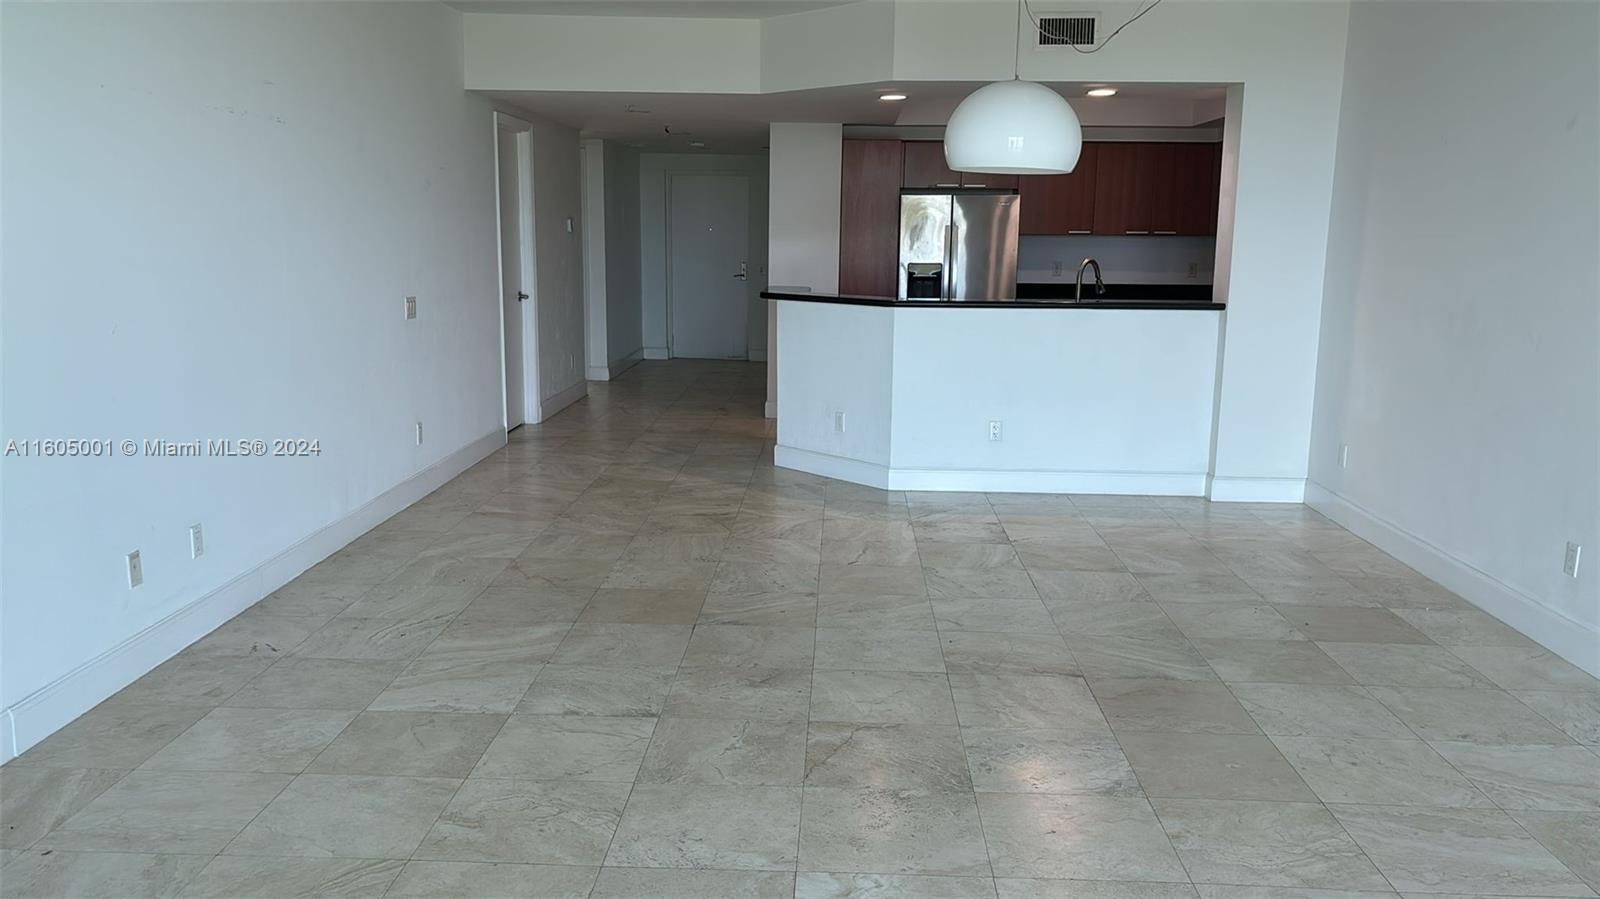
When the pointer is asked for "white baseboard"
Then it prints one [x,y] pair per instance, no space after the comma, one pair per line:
[757,355]
[1572,640]
[853,470]
[56,704]
[771,410]
[1256,490]
[656,352]
[553,404]
[616,367]
[991,480]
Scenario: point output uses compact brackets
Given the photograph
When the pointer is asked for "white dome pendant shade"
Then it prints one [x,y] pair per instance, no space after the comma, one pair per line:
[1013,128]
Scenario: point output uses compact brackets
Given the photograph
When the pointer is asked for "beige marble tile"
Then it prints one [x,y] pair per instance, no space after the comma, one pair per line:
[1576,714]
[1478,716]
[1544,778]
[112,736]
[1171,706]
[33,801]
[725,751]
[242,876]
[261,740]
[1315,710]
[899,580]
[257,634]
[192,680]
[411,602]
[1040,888]
[1379,772]
[1463,627]
[881,697]
[372,639]
[431,879]
[1251,621]
[988,583]
[977,652]
[1271,661]
[1404,665]
[512,820]
[114,875]
[968,556]
[661,883]
[416,744]
[1345,624]
[1527,668]
[914,832]
[1279,844]
[848,649]
[629,645]
[1088,586]
[1572,837]
[1006,760]
[1138,656]
[168,811]
[750,646]
[897,756]
[598,690]
[1013,701]
[699,826]
[761,609]
[814,885]
[992,615]
[1076,837]
[874,611]
[1212,766]
[747,578]
[346,816]
[567,747]
[620,606]
[769,694]
[1459,850]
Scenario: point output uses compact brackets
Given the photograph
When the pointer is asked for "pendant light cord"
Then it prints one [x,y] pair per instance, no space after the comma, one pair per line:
[1016,52]
[1039,28]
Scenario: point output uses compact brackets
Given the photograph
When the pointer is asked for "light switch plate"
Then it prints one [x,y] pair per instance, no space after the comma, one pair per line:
[1569,565]
[135,570]
[411,308]
[197,542]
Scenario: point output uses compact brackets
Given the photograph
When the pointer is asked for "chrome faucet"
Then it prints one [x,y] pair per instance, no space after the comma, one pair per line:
[1099,285]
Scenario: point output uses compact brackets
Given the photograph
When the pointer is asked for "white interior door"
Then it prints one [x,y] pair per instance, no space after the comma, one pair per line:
[709,256]
[511,158]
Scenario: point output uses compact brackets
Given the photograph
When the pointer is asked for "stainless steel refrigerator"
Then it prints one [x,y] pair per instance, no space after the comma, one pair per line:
[958,245]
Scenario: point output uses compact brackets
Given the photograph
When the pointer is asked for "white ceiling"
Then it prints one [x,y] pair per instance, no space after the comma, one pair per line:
[696,9]
[737,123]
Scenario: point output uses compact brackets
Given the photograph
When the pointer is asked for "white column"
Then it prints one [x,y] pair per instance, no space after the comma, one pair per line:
[803,220]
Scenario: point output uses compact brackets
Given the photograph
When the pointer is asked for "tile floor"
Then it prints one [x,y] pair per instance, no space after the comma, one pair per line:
[626,656]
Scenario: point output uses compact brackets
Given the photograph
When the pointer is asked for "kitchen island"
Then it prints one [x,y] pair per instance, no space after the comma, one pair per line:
[1045,396]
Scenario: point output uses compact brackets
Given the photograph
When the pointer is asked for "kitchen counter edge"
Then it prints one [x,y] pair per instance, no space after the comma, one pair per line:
[853,300]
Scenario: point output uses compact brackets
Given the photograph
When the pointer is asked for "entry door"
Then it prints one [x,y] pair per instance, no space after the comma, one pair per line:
[511,158]
[709,255]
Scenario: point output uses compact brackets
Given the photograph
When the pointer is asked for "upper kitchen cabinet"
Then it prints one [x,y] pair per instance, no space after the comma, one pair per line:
[1061,204]
[869,216]
[925,169]
[1156,188]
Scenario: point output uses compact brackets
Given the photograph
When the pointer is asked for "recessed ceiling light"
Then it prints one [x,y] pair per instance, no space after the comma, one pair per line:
[697,143]
[891,98]
[1102,92]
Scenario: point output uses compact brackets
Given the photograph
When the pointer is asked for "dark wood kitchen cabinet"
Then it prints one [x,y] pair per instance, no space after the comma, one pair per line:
[1157,188]
[925,169]
[1061,204]
[869,216]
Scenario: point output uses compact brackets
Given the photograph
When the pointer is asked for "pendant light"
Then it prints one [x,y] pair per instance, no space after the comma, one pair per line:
[1013,127]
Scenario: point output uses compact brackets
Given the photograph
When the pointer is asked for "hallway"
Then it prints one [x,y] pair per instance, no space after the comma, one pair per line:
[626,656]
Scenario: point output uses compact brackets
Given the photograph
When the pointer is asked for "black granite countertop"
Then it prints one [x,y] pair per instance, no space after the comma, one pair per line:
[1022,302]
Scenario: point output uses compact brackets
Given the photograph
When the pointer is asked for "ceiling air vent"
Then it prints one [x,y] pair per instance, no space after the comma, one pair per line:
[1067,30]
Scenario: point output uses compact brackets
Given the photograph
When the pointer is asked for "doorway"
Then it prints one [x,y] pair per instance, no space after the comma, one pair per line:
[514,191]
[708,262]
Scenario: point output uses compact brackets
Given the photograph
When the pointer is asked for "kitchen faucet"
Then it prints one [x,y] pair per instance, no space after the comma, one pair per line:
[1099,285]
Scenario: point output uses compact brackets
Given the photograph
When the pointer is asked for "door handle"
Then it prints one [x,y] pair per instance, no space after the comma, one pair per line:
[744,272]
[521,296]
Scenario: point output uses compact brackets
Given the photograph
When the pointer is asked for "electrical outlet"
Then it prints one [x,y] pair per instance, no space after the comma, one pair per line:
[1344,455]
[838,422]
[994,430]
[135,570]
[1055,269]
[1570,564]
[411,308]
[197,542]
[419,433]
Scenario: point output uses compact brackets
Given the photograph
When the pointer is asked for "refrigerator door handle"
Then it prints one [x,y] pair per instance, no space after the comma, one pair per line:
[951,237]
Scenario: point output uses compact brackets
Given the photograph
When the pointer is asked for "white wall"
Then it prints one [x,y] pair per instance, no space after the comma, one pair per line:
[214,214]
[655,173]
[558,248]
[1460,356]
[1089,400]
[613,339]
[1123,260]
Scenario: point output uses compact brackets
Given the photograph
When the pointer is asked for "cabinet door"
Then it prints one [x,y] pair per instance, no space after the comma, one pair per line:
[1199,174]
[989,180]
[1161,168]
[924,165]
[869,216]
[1122,190]
[1061,204]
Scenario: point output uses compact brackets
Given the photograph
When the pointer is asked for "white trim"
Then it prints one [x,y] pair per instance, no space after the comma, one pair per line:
[615,369]
[1573,640]
[656,352]
[550,405]
[770,410]
[1134,483]
[523,131]
[57,703]
[855,471]
[1255,490]
[757,355]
